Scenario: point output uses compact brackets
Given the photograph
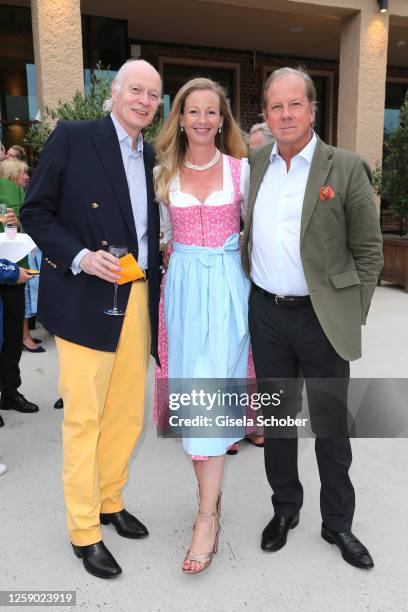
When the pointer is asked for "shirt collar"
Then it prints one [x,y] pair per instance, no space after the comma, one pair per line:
[307,152]
[123,136]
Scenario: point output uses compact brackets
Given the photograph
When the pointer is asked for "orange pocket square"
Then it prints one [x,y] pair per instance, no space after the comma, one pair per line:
[130,269]
[327,193]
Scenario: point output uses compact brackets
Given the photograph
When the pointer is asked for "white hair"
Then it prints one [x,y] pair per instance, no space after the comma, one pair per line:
[117,81]
[262,127]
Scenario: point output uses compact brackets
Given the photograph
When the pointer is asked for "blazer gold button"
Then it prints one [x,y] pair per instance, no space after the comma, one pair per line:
[104,243]
[94,205]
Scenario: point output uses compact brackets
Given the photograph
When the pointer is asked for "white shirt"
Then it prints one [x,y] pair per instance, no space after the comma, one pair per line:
[136,179]
[275,264]
[216,198]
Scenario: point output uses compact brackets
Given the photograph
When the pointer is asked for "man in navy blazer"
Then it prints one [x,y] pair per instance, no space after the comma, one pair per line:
[93,188]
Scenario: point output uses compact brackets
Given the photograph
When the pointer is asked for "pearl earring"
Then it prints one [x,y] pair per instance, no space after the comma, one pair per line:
[219,130]
[182,128]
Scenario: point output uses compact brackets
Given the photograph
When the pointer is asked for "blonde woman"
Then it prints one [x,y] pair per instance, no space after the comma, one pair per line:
[13,182]
[200,184]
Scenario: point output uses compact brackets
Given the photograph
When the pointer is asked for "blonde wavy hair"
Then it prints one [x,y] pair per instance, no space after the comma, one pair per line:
[11,168]
[171,144]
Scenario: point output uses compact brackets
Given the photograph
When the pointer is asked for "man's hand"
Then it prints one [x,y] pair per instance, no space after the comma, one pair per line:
[167,250]
[101,264]
[23,276]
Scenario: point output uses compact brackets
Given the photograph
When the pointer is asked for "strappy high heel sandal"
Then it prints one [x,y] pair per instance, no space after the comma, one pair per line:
[205,558]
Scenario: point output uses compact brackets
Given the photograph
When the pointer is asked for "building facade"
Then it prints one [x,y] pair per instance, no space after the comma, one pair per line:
[357,55]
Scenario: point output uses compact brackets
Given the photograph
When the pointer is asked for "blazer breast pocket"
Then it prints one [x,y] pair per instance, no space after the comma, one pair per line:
[331,204]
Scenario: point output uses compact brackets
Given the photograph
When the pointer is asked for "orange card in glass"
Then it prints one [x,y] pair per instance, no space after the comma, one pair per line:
[130,269]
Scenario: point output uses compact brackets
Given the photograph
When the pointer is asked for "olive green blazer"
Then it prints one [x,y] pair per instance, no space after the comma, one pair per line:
[340,240]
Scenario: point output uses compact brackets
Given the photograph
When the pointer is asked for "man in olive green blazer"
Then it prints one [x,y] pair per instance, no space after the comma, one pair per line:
[313,250]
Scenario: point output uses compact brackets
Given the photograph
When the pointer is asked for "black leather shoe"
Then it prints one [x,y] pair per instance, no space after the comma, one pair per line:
[98,560]
[126,524]
[352,550]
[38,349]
[275,534]
[59,404]
[16,401]
[1,422]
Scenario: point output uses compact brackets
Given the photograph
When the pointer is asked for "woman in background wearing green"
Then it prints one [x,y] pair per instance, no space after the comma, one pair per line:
[13,180]
[13,175]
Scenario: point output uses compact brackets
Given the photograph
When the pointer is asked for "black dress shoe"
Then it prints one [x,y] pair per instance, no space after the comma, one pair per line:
[1,422]
[98,560]
[38,349]
[59,404]
[352,550]
[275,534]
[16,401]
[126,524]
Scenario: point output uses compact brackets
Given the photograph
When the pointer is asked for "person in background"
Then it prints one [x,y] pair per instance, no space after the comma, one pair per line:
[10,274]
[17,152]
[13,175]
[259,136]
[13,181]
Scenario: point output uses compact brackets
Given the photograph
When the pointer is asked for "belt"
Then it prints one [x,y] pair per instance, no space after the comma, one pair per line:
[285,300]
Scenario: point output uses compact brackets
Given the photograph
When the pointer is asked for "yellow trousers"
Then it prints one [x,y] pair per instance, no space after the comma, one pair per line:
[103,397]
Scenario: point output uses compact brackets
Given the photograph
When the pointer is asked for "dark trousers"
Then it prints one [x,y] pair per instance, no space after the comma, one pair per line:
[285,338]
[13,317]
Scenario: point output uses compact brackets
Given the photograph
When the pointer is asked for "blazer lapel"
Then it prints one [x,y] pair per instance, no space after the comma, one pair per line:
[108,148]
[152,206]
[258,169]
[319,170]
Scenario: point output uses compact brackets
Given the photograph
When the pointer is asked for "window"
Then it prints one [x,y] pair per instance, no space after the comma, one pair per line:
[394,97]
[16,62]
[176,72]
[104,40]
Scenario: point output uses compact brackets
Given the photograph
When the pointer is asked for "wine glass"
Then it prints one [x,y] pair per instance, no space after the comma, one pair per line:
[10,230]
[117,251]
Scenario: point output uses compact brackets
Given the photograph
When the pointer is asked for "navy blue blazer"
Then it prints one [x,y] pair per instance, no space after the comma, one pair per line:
[79,198]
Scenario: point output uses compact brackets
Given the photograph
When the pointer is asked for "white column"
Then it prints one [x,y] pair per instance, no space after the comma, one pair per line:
[57,37]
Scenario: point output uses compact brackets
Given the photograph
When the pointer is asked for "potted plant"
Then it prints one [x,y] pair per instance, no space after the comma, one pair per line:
[392,184]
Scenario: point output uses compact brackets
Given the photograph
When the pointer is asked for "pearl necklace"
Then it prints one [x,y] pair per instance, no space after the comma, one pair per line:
[206,166]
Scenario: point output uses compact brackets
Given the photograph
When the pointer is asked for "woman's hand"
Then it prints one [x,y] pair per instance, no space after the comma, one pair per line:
[167,250]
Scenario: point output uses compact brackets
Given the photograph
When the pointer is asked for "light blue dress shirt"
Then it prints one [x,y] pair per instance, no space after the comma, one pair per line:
[133,164]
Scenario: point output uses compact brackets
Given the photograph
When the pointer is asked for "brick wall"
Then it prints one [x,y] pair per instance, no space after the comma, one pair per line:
[251,71]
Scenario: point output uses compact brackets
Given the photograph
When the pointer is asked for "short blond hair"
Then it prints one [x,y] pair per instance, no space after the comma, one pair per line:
[300,72]
[11,168]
